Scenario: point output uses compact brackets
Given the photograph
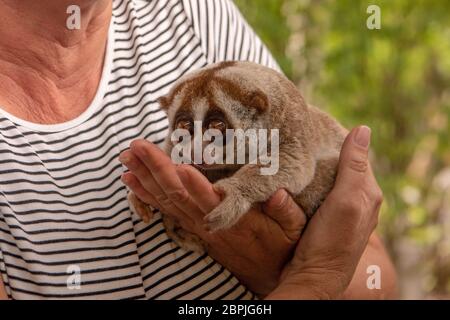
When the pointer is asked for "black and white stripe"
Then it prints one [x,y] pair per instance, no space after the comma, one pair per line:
[61,199]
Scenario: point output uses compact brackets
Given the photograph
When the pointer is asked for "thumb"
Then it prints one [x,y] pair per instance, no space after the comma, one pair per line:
[283,209]
[353,161]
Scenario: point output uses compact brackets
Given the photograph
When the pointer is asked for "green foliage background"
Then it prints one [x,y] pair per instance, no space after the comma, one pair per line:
[397,81]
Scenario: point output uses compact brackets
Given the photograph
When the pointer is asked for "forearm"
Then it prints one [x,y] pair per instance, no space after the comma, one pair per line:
[375,254]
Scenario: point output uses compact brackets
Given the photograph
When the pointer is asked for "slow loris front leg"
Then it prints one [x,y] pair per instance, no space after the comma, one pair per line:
[248,186]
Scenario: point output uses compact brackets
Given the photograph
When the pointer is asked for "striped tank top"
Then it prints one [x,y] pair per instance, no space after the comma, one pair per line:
[66,228]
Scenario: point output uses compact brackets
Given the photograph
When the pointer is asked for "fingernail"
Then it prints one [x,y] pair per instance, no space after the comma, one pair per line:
[124,179]
[362,137]
[124,159]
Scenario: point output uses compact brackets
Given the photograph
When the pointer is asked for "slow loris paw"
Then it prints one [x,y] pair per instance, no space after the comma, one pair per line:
[233,206]
[142,209]
[183,238]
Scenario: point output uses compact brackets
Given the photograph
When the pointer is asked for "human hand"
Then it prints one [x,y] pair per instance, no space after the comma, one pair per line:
[331,246]
[3,295]
[255,250]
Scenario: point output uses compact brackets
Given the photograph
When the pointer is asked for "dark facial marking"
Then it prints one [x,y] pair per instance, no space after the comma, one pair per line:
[215,119]
[256,99]
[197,82]
[183,120]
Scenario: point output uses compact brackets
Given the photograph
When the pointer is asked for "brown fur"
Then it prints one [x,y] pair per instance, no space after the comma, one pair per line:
[252,96]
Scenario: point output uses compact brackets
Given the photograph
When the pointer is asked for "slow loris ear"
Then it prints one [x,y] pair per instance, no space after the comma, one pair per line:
[163,102]
[259,101]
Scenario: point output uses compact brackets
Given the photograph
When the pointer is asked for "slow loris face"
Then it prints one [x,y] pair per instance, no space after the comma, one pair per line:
[194,121]
[212,104]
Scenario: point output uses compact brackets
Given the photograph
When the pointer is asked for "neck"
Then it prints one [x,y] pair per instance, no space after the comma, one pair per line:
[49,73]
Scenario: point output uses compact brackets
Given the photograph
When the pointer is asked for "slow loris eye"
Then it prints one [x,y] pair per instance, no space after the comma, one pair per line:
[185,124]
[217,124]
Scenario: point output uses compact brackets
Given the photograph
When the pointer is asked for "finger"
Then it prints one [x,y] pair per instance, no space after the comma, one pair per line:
[355,172]
[355,178]
[145,177]
[282,208]
[161,168]
[142,173]
[165,177]
[353,161]
[198,186]
[134,184]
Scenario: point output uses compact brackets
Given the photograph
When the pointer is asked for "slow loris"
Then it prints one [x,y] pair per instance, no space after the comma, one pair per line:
[244,95]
